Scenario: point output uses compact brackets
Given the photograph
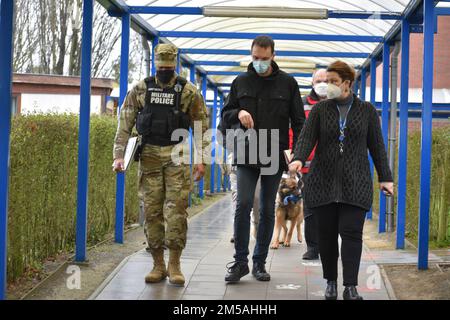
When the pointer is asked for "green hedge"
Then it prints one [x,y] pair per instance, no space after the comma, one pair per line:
[43,188]
[440,187]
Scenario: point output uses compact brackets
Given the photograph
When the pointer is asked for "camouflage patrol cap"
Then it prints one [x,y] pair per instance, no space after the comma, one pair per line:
[166,55]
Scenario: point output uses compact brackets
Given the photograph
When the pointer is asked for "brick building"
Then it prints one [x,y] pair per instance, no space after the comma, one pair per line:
[441,84]
[56,94]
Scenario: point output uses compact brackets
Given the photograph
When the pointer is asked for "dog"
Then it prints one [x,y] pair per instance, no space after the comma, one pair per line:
[289,206]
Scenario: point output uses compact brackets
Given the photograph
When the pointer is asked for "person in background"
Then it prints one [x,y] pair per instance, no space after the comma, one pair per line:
[339,186]
[318,93]
[233,183]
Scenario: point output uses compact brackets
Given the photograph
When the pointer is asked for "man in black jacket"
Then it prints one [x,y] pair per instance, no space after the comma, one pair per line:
[264,99]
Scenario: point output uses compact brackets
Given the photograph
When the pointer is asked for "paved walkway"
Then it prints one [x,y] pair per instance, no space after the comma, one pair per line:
[209,250]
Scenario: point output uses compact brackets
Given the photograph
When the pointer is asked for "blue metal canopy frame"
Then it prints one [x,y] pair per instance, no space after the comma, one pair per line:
[403,137]
[223,63]
[236,73]
[416,14]
[336,14]
[427,134]
[274,36]
[280,53]
[83,140]
[120,184]
[6,52]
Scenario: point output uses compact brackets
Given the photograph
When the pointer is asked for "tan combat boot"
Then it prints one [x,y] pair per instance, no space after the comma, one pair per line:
[159,271]
[174,269]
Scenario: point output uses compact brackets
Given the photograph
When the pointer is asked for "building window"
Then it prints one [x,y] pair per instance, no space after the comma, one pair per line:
[14,106]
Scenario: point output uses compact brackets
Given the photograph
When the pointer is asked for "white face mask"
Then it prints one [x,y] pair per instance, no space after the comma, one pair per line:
[321,89]
[333,91]
[261,66]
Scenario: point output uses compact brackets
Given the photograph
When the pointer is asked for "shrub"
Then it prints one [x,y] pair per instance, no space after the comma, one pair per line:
[43,187]
[440,187]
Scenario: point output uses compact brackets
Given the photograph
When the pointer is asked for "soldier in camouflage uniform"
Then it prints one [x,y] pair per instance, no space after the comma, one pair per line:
[157,106]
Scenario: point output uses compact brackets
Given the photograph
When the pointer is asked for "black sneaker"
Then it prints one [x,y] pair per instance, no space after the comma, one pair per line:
[331,290]
[236,271]
[259,272]
[311,254]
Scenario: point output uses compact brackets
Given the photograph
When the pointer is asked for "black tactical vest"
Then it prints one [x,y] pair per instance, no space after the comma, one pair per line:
[161,114]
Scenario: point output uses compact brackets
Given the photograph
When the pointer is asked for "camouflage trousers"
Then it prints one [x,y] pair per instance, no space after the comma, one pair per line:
[164,187]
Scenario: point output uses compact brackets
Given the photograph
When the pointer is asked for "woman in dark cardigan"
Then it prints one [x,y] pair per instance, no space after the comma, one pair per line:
[339,187]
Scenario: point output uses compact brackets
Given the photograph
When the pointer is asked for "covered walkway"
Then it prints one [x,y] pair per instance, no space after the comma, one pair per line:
[214,45]
[209,250]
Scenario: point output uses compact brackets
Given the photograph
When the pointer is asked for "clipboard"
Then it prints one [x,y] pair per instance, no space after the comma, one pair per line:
[130,151]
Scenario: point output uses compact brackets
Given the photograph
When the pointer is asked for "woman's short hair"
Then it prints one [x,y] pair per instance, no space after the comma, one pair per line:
[345,71]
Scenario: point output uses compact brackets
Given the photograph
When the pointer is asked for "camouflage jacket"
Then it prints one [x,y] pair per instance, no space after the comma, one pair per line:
[192,103]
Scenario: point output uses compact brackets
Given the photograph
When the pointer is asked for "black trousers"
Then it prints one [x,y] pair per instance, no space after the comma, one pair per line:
[247,178]
[311,229]
[348,222]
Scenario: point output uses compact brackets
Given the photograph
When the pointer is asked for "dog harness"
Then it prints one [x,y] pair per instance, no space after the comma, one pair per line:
[291,198]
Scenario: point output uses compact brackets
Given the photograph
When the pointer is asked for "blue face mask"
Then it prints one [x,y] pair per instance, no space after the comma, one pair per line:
[261,66]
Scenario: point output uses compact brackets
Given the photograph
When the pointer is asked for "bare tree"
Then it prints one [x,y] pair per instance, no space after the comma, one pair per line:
[48,40]
[64,13]
[25,41]
[44,57]
[75,51]
[106,35]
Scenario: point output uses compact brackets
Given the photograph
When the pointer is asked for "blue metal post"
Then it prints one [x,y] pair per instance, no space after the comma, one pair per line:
[6,53]
[373,91]
[227,176]
[202,180]
[83,140]
[155,42]
[219,148]
[427,134]
[384,127]
[213,141]
[191,146]
[403,137]
[356,86]
[363,84]
[178,68]
[120,183]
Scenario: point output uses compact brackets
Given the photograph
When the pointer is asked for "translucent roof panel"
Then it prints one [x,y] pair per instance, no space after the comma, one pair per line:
[331,26]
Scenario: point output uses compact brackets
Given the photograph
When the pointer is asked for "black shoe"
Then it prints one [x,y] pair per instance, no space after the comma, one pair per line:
[236,271]
[232,240]
[350,293]
[311,254]
[331,291]
[259,272]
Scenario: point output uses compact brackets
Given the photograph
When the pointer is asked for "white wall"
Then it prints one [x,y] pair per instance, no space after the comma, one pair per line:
[56,103]
[415,95]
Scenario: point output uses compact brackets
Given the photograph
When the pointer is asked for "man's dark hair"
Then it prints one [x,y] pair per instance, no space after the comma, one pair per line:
[264,42]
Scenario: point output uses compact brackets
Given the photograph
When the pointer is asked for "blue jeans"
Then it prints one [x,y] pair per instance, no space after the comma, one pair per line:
[247,178]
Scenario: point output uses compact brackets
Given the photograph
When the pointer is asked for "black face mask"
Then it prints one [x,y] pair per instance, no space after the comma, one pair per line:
[165,75]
